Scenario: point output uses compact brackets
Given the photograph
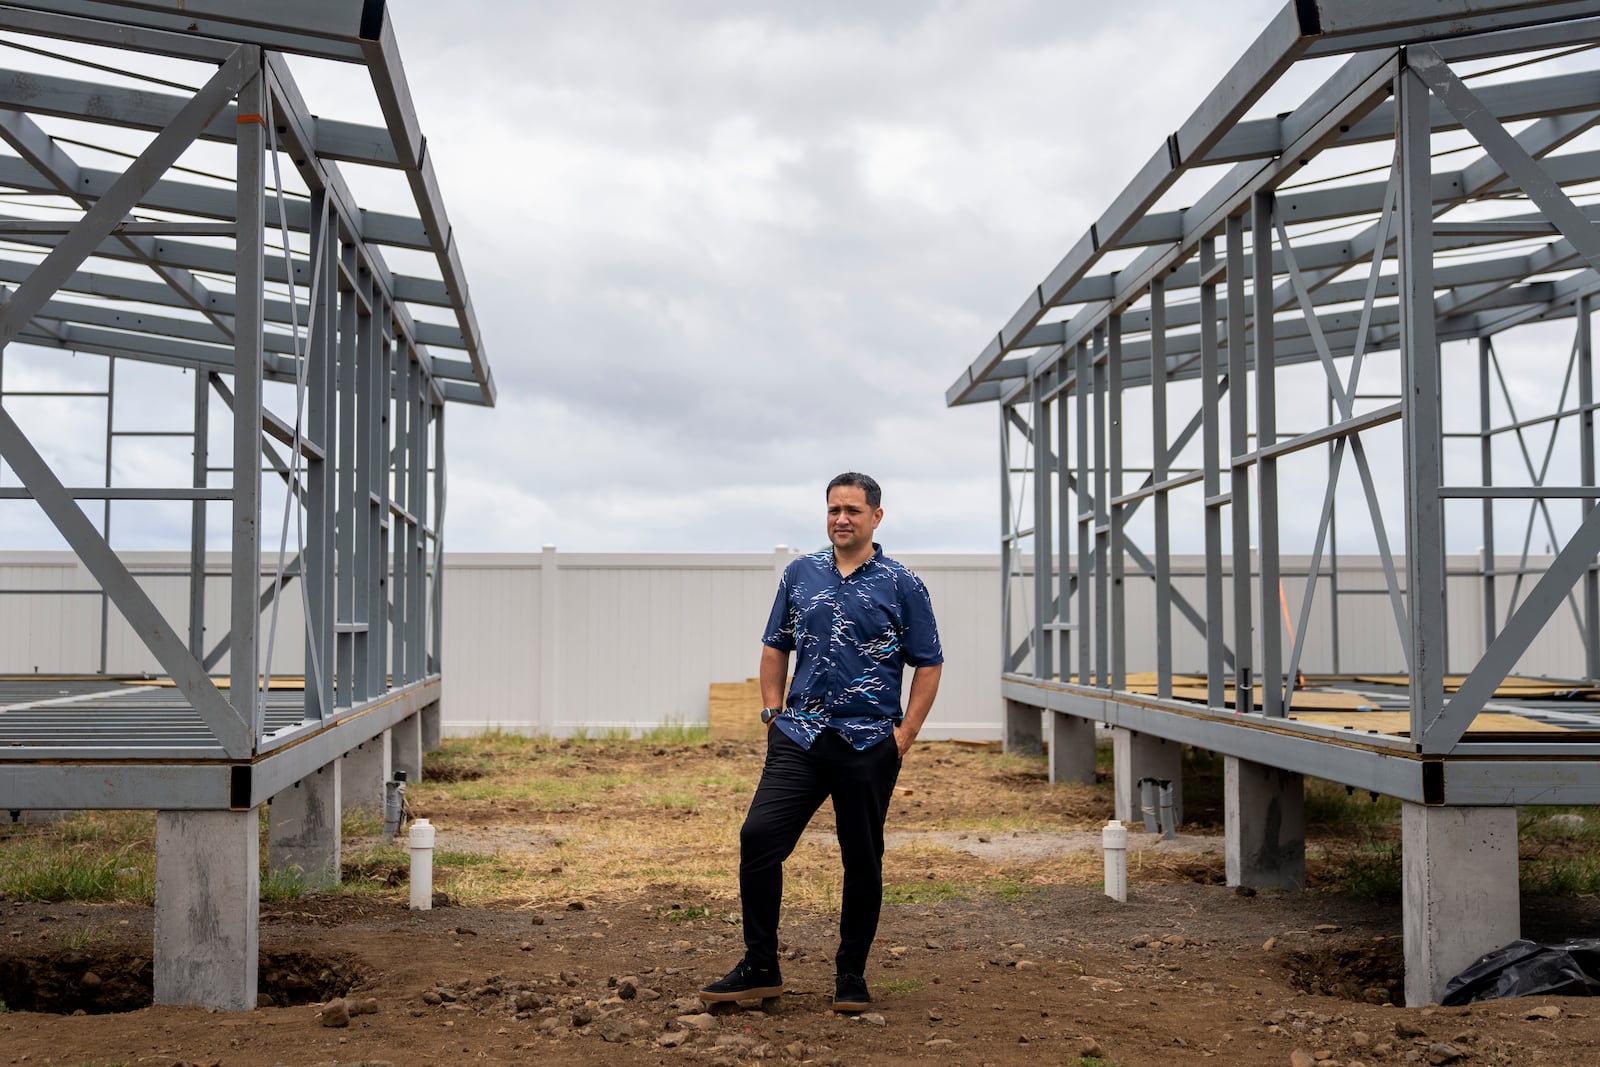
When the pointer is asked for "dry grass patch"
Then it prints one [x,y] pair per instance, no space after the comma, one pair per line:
[612,818]
[535,822]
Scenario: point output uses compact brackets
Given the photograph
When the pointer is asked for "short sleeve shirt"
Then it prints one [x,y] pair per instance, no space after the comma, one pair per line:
[853,635]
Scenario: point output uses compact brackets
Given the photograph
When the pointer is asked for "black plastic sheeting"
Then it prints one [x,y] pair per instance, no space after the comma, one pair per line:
[1527,969]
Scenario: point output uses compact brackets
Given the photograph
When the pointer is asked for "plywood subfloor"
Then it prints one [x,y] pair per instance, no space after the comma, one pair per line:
[1398,723]
[1193,687]
[1324,692]
[1511,688]
[1322,699]
[285,683]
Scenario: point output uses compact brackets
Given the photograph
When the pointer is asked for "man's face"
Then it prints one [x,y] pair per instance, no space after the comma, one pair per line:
[851,522]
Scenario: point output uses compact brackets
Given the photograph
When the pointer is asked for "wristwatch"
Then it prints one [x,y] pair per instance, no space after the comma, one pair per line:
[768,714]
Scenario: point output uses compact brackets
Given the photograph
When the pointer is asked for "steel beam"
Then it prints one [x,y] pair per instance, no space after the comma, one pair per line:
[1043,541]
[1586,473]
[204,779]
[1158,476]
[1420,400]
[1541,97]
[244,615]
[1119,509]
[1211,460]
[1239,474]
[100,219]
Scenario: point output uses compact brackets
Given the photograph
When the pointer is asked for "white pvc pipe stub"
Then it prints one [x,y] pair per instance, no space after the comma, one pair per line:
[421,842]
[1114,840]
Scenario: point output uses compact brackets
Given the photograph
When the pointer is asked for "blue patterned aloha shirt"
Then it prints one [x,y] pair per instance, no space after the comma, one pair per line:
[853,636]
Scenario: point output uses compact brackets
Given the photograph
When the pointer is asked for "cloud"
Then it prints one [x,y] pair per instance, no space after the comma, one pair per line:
[722,250]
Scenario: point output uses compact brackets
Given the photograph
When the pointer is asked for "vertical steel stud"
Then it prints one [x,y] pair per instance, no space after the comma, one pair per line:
[245,616]
[1419,355]
[1264,344]
[1238,471]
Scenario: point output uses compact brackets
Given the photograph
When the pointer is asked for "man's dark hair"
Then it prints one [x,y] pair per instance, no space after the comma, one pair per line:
[853,480]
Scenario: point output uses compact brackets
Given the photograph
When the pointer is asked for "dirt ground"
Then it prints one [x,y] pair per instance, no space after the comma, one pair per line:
[996,947]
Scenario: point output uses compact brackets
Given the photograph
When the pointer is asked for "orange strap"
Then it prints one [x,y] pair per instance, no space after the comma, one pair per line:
[257,119]
[1283,602]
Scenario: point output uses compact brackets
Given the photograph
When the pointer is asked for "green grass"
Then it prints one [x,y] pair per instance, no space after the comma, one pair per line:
[925,892]
[675,733]
[899,987]
[1570,875]
[102,827]
[1331,808]
[583,735]
[673,800]
[42,870]
[996,761]
[1558,856]
[470,876]
[1556,859]
[366,869]
[358,822]
[679,913]
[1370,873]
[387,854]
[286,883]
[496,766]
[82,937]
[551,791]
[448,857]
[725,781]
[465,758]
[668,733]
[475,876]
[1534,827]
[1011,890]
[496,741]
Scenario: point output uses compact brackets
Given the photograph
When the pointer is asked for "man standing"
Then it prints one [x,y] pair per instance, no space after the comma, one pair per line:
[854,618]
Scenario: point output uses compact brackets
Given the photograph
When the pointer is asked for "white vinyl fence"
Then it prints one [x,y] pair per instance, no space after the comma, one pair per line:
[554,642]
[561,641]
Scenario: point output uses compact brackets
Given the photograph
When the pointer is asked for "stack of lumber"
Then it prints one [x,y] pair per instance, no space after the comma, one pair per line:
[733,711]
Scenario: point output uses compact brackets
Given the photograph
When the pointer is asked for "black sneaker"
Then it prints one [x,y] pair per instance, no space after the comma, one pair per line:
[744,982]
[850,993]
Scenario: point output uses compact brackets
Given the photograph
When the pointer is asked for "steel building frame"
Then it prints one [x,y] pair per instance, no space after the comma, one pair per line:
[170,271]
[149,265]
[1237,286]
[152,265]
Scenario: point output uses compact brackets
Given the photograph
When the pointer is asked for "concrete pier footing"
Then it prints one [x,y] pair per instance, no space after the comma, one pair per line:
[1070,742]
[366,768]
[1461,898]
[208,888]
[406,754]
[432,727]
[1137,756]
[1265,825]
[1024,729]
[303,827]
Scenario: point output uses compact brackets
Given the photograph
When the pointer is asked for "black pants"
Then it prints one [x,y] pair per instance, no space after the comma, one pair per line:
[794,782]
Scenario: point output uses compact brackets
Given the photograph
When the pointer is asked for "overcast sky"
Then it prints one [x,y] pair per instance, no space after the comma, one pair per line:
[721,251]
